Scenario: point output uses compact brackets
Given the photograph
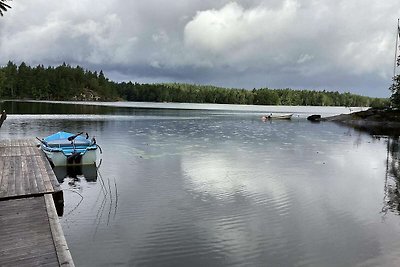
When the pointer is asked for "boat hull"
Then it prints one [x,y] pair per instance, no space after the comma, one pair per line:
[58,158]
[277,117]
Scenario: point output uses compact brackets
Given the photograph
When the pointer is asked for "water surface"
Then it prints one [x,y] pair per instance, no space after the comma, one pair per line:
[223,188]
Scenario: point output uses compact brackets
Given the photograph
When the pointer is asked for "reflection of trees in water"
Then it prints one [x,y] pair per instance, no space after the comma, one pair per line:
[391,201]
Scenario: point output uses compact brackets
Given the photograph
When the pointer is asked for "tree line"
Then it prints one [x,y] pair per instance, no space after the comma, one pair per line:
[54,83]
[74,83]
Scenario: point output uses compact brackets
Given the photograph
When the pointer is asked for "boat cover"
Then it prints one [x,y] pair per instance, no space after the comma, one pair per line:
[60,139]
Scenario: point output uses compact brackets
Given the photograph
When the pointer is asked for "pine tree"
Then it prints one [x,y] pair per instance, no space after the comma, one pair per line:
[3,7]
[395,88]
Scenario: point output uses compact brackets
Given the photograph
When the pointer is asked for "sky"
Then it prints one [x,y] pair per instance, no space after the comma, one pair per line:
[342,45]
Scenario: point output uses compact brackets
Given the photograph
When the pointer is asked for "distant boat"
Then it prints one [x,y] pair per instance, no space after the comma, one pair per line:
[314,118]
[277,117]
[63,149]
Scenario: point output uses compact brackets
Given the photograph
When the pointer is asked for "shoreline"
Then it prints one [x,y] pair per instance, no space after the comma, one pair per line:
[261,109]
[374,121]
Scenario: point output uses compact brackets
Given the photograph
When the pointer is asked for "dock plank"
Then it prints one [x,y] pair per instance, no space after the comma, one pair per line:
[4,181]
[1,171]
[46,179]
[19,183]
[32,175]
[30,232]
[11,178]
[26,171]
[31,245]
[63,253]
[39,178]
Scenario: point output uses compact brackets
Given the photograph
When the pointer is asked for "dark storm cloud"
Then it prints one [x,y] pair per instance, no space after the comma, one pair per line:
[333,45]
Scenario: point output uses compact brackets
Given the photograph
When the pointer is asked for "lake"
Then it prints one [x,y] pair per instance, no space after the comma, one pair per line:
[213,185]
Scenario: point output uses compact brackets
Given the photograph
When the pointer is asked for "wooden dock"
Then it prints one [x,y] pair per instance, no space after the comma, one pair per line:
[30,232]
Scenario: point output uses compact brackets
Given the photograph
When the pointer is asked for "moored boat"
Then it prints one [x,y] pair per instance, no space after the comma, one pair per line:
[63,149]
[277,117]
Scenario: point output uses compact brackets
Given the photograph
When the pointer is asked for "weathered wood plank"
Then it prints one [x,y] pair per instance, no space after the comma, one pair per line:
[52,177]
[1,170]
[30,233]
[25,173]
[4,182]
[35,151]
[6,176]
[24,170]
[25,234]
[46,178]
[19,178]
[33,176]
[38,175]
[11,178]
[63,253]
[46,259]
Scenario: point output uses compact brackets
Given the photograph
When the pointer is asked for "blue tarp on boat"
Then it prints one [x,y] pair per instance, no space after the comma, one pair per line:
[60,139]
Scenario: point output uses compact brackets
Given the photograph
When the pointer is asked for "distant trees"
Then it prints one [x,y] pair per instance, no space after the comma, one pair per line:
[189,93]
[60,83]
[3,7]
[74,83]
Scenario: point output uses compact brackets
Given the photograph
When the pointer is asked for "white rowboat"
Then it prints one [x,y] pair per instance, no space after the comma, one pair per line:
[63,149]
[277,117]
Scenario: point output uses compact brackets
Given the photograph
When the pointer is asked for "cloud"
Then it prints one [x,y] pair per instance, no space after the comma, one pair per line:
[300,40]
[341,45]
[233,27]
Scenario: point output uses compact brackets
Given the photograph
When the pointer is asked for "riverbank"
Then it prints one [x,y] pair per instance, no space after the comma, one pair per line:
[374,121]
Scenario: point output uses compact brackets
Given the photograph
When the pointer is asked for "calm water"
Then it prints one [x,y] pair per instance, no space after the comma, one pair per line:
[222,188]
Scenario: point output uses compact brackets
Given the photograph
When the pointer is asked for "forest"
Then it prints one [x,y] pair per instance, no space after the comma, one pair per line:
[65,82]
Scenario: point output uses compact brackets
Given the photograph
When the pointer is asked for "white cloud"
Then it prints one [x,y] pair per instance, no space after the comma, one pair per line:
[338,45]
[303,58]
[231,27]
[306,39]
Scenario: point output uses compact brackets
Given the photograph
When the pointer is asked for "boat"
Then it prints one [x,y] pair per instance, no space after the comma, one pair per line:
[277,117]
[314,118]
[63,149]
